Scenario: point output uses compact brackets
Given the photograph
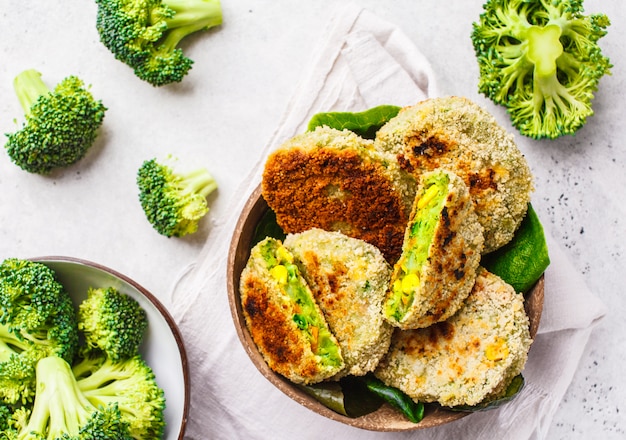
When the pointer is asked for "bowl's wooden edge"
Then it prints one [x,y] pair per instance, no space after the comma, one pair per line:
[384,419]
[534,305]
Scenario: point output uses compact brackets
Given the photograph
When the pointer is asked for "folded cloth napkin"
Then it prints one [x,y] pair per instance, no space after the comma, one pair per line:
[362,62]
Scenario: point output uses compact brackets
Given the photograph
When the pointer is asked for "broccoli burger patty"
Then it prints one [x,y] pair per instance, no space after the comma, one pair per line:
[283,318]
[440,254]
[457,134]
[472,356]
[336,181]
[348,278]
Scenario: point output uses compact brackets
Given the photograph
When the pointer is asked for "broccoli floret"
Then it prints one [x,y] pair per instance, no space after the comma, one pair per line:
[37,319]
[12,419]
[6,413]
[61,410]
[110,370]
[60,125]
[130,383]
[541,60]
[174,200]
[112,322]
[145,34]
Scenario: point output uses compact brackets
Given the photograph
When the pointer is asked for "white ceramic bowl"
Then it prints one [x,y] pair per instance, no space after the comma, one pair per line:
[162,348]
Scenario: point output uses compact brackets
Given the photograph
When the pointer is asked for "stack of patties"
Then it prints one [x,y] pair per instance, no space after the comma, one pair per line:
[389,234]
[471,357]
[312,305]
[464,333]
[440,254]
[456,134]
[337,181]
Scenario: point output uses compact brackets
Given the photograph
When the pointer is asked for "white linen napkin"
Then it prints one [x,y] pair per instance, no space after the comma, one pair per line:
[362,62]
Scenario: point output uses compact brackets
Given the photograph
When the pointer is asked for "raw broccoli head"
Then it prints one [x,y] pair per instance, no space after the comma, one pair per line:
[130,384]
[174,201]
[37,319]
[145,34]
[112,322]
[60,125]
[61,410]
[542,61]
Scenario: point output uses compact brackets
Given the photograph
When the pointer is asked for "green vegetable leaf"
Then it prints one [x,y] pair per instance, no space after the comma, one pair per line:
[365,123]
[349,397]
[267,227]
[414,411]
[522,261]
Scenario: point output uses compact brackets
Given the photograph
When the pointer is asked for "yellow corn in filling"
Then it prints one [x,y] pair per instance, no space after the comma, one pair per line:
[279,273]
[497,351]
[281,267]
[427,197]
[406,279]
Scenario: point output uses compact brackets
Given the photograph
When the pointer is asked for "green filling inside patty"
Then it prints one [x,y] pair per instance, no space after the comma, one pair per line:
[420,232]
[310,322]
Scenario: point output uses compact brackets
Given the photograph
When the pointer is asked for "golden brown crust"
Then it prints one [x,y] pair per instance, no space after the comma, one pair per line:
[277,340]
[337,185]
[268,311]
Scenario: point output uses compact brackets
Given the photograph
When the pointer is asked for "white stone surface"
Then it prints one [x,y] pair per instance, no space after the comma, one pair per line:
[227,108]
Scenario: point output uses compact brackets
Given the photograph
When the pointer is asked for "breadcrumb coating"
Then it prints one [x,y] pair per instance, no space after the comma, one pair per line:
[348,278]
[451,258]
[269,313]
[456,134]
[336,181]
[467,358]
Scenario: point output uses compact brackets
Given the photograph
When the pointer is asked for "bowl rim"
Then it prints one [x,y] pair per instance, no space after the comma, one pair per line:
[167,316]
[254,207]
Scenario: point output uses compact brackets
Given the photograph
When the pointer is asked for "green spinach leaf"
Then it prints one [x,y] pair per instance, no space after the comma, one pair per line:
[365,123]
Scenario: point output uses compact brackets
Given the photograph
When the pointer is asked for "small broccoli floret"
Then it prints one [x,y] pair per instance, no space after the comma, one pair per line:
[542,61]
[145,34]
[12,419]
[112,322]
[174,200]
[6,413]
[37,319]
[61,410]
[130,384]
[60,125]
[17,367]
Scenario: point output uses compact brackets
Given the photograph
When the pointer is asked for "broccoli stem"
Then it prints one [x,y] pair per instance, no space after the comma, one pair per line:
[190,16]
[544,48]
[198,182]
[197,13]
[59,403]
[29,87]
[10,344]
[85,367]
[5,352]
[93,376]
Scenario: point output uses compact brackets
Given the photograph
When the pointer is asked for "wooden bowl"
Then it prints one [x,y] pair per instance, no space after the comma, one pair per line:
[385,418]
